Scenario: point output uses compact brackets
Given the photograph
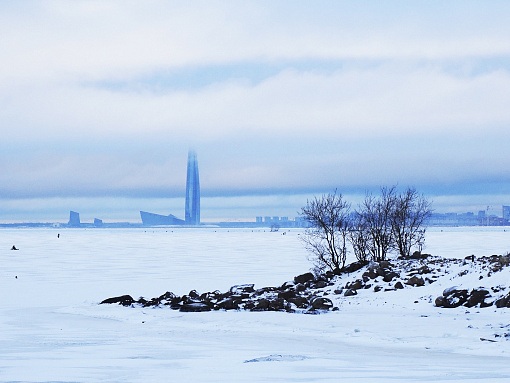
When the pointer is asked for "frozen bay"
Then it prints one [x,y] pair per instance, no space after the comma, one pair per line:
[52,328]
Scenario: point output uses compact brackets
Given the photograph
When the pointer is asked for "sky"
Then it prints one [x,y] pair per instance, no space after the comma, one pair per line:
[100,102]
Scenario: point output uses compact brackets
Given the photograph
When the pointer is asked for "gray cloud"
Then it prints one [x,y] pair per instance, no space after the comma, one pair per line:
[102,99]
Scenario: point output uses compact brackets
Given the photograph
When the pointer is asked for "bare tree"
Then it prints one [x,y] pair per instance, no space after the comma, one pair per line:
[376,216]
[326,238]
[358,238]
[408,221]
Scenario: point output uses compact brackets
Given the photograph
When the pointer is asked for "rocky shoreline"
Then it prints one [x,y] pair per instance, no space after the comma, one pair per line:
[311,294]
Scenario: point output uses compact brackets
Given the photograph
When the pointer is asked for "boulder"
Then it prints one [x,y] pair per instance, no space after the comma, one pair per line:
[356,285]
[228,304]
[399,285]
[320,284]
[287,294]
[322,303]
[384,264]
[416,281]
[355,266]
[440,301]
[419,255]
[388,277]
[124,300]
[277,304]
[262,305]
[241,289]
[195,307]
[453,297]
[350,293]
[477,297]
[503,301]
[371,273]
[299,301]
[303,278]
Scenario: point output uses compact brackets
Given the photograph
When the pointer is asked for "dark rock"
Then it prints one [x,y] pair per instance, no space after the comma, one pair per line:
[355,266]
[371,273]
[416,281]
[277,304]
[350,293]
[228,304]
[320,284]
[399,285]
[300,301]
[503,301]
[388,277]
[195,307]
[271,305]
[356,285]
[303,278]
[264,290]
[287,294]
[261,305]
[477,297]
[322,303]
[338,291]
[210,296]
[454,298]
[300,287]
[124,300]
[288,285]
[424,270]
[419,255]
[384,264]
[377,288]
[440,301]
[240,289]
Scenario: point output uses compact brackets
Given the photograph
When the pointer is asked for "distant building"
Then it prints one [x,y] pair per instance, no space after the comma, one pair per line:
[506,213]
[192,208]
[98,222]
[74,219]
[152,219]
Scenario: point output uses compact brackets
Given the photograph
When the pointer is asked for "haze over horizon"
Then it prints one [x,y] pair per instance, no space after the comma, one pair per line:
[101,100]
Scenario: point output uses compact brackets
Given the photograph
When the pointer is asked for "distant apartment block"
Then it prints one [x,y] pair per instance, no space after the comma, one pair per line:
[506,213]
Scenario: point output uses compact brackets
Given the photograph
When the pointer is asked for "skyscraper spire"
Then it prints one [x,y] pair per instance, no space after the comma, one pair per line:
[192,209]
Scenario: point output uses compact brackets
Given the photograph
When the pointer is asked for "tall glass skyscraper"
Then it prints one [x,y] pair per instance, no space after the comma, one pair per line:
[192,210]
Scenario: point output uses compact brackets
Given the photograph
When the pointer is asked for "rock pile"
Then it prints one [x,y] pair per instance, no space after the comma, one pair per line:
[298,295]
[455,297]
[309,293]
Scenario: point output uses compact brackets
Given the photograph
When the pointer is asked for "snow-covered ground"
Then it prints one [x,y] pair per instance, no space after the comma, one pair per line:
[52,328]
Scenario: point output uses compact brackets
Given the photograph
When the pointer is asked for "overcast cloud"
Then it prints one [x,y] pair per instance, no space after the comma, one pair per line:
[100,101]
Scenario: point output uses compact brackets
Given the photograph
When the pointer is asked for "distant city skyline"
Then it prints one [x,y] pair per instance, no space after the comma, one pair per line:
[285,100]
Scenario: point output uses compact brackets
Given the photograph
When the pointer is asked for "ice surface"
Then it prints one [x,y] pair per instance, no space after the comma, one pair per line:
[52,328]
